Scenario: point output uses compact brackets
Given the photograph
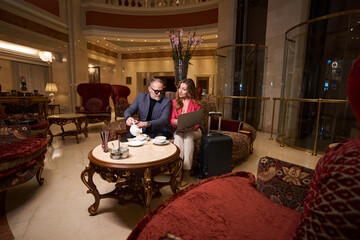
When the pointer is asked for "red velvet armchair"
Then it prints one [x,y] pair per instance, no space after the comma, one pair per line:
[119,95]
[95,101]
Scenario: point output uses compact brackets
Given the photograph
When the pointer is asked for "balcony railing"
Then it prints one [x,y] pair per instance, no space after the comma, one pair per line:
[150,3]
[257,104]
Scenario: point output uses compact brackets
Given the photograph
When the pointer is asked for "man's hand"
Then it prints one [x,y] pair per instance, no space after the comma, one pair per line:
[142,124]
[130,121]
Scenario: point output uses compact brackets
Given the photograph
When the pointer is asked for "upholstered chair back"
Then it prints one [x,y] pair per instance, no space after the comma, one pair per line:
[119,94]
[94,96]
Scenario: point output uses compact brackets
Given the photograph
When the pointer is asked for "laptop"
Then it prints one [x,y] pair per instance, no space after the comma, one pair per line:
[189,119]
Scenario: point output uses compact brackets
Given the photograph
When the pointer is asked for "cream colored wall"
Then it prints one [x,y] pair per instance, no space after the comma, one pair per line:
[201,66]
[6,76]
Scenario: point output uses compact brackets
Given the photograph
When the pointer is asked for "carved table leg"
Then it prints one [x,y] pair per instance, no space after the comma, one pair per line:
[147,189]
[62,130]
[89,173]
[85,128]
[78,129]
[51,136]
[39,172]
[176,176]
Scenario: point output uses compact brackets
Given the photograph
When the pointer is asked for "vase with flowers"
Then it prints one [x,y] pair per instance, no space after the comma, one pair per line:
[182,55]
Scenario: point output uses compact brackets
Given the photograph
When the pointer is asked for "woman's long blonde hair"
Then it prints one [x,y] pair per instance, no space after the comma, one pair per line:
[190,90]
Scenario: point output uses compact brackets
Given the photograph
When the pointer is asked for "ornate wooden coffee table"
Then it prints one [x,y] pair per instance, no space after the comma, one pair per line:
[134,176]
[63,119]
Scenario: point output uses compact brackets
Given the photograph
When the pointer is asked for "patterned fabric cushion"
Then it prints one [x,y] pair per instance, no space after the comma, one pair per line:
[114,126]
[332,207]
[283,182]
[94,104]
[10,134]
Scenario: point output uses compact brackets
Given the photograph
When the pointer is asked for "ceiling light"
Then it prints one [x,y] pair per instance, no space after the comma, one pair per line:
[158,40]
[104,38]
[97,40]
[118,39]
[145,40]
[45,56]
[132,40]
[18,48]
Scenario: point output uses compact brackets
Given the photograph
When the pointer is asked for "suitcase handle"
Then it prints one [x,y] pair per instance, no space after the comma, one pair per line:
[209,121]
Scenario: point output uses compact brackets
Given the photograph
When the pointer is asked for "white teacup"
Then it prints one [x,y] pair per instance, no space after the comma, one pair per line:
[160,139]
[135,130]
[141,137]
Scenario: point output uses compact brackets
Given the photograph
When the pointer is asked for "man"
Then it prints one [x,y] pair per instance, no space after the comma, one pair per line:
[154,111]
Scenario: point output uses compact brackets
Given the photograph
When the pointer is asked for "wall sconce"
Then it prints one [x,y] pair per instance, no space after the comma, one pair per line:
[45,56]
[51,88]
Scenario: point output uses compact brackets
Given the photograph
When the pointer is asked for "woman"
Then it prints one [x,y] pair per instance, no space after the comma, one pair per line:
[186,101]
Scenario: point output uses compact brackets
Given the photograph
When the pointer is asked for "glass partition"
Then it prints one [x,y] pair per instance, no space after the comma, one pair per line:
[318,56]
[239,84]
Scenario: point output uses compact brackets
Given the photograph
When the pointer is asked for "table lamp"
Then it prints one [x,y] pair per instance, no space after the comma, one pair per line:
[51,88]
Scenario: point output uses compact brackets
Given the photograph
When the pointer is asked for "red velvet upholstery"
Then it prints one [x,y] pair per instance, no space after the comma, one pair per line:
[226,207]
[91,91]
[119,95]
[95,101]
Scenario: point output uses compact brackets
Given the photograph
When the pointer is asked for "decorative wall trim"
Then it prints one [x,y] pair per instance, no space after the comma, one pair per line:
[27,24]
[200,18]
[51,6]
[163,54]
[101,50]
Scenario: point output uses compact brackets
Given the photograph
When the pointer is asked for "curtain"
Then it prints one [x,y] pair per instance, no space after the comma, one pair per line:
[36,76]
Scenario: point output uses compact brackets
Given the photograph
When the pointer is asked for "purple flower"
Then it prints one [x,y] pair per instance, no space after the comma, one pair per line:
[179,52]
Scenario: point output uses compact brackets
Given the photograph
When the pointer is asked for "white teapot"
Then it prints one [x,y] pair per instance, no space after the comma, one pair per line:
[135,130]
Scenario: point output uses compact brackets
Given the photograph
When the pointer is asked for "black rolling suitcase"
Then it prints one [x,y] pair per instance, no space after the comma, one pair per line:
[215,152]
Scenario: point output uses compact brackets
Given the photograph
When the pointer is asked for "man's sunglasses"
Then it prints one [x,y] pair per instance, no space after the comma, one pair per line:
[157,91]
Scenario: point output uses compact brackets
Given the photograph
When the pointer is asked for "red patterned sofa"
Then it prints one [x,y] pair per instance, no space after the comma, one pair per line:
[21,156]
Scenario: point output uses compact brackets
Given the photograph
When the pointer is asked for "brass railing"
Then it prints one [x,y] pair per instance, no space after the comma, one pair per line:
[286,100]
[246,98]
[153,3]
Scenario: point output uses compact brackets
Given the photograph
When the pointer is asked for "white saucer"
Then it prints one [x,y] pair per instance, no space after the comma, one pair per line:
[162,143]
[135,143]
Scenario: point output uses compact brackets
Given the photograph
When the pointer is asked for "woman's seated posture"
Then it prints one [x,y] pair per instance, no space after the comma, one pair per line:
[186,101]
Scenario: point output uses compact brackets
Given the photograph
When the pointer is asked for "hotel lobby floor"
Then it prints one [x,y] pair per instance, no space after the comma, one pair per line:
[59,208]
